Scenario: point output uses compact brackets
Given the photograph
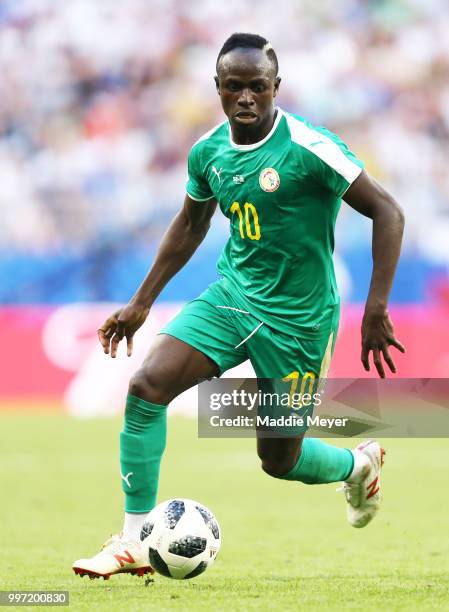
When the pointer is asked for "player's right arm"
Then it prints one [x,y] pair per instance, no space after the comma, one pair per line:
[184,235]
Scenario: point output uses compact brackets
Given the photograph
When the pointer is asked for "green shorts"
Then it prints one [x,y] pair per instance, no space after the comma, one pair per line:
[286,366]
[215,324]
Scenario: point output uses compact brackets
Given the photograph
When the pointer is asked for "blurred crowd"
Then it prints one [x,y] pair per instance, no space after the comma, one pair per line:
[100,101]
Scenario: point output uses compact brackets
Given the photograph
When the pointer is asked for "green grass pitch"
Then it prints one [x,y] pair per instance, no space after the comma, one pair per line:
[285,546]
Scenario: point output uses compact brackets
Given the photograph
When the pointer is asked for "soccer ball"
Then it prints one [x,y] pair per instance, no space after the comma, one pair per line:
[181,538]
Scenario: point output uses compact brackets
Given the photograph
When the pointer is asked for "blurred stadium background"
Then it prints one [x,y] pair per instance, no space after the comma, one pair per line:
[100,102]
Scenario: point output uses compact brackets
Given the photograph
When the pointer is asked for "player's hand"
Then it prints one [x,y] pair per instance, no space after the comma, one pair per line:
[377,337]
[122,324]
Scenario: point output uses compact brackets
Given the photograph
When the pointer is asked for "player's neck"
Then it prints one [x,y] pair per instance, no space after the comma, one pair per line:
[243,135]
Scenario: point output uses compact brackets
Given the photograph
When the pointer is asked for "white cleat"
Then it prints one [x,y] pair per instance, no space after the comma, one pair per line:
[362,489]
[118,556]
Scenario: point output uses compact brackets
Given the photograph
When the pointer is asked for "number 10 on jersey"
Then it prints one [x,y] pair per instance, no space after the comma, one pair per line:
[251,228]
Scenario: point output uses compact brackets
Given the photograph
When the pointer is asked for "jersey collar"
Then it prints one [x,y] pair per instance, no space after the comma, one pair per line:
[256,145]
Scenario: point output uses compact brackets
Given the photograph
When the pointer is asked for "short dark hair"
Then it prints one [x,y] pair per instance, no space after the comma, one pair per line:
[248,41]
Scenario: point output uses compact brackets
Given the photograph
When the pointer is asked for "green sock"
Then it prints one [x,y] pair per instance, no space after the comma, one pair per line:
[142,443]
[320,462]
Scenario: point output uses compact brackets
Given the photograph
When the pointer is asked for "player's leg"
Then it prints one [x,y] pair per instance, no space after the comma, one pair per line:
[201,342]
[310,460]
[313,461]
[307,460]
[171,367]
[289,455]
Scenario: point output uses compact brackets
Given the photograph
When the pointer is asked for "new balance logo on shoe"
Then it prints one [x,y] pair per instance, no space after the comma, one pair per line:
[118,556]
[372,488]
[127,477]
[362,490]
[125,558]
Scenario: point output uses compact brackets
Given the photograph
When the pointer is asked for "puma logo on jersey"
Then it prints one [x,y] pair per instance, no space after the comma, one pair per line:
[127,477]
[217,172]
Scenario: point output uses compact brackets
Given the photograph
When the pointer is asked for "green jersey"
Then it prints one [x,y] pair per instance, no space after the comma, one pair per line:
[281,196]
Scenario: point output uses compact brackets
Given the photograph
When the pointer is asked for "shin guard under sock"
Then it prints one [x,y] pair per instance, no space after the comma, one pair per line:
[142,443]
[320,462]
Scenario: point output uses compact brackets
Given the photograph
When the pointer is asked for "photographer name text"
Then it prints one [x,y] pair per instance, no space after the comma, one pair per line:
[291,420]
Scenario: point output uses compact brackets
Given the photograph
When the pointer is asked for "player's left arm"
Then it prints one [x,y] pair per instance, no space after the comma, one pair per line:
[369,198]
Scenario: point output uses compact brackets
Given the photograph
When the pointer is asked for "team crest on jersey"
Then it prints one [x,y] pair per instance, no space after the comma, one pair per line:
[269,179]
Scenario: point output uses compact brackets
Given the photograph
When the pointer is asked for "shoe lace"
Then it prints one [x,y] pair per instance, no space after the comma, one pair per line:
[114,544]
[352,493]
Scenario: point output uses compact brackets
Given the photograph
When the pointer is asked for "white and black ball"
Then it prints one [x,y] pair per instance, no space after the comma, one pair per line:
[181,538]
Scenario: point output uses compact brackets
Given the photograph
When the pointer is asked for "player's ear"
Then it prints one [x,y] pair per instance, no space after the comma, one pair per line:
[217,85]
[277,82]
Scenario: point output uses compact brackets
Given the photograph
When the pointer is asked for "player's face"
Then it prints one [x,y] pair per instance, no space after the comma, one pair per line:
[247,86]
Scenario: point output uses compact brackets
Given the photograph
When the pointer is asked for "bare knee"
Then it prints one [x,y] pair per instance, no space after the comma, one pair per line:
[148,385]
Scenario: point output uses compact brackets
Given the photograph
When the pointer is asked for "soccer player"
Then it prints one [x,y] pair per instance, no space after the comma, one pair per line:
[279,180]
